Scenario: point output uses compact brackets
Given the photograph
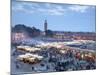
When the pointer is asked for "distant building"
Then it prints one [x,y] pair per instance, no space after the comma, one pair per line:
[18,36]
[61,35]
[45,26]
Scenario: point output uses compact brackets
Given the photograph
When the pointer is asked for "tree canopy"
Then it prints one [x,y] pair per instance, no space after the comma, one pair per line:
[31,31]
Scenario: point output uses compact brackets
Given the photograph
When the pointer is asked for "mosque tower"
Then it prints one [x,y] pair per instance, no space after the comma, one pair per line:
[45,26]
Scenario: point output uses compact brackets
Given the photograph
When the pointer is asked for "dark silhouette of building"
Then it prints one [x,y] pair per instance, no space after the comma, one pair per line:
[45,26]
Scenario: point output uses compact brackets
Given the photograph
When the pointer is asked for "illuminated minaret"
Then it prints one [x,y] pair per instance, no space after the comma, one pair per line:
[45,26]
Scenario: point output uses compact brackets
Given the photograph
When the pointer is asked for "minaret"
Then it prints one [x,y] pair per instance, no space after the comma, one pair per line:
[45,26]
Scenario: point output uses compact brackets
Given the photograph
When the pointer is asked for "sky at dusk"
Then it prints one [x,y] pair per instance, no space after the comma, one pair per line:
[60,17]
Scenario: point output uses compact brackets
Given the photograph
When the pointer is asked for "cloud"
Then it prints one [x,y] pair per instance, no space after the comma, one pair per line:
[48,8]
[52,9]
[79,8]
[21,9]
[24,7]
[54,12]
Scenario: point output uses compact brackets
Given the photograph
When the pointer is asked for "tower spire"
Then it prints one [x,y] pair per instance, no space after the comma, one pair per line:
[45,26]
